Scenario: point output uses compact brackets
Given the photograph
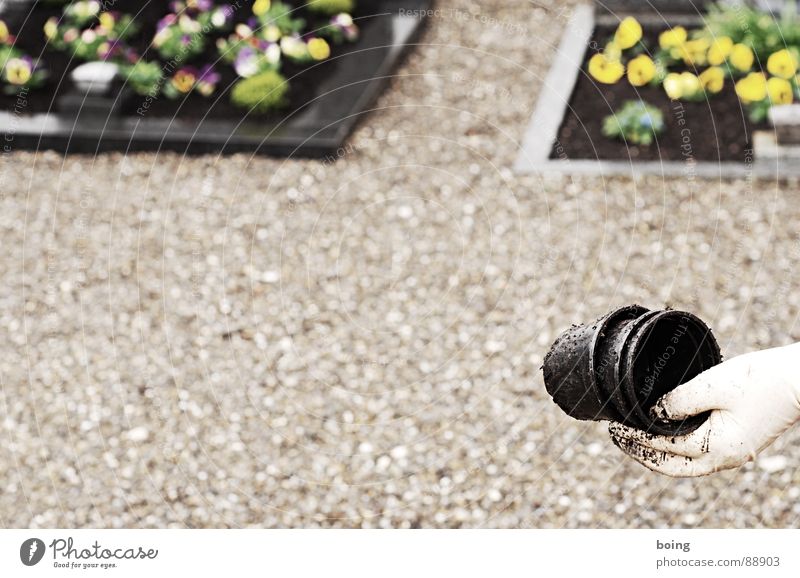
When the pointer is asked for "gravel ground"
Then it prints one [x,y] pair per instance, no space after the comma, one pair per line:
[210,342]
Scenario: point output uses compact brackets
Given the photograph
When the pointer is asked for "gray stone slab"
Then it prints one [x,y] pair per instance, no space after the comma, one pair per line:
[786,121]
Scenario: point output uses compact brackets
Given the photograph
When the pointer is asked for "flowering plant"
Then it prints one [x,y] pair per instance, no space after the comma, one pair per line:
[82,13]
[255,46]
[269,14]
[274,33]
[608,66]
[18,70]
[305,50]
[188,79]
[340,29]
[258,46]
[143,76]
[204,11]
[194,6]
[184,35]
[762,32]
[90,35]
[5,36]
[250,53]
[636,122]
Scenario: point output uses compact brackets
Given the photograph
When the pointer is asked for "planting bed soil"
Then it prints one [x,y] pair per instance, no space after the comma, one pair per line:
[325,99]
[716,129]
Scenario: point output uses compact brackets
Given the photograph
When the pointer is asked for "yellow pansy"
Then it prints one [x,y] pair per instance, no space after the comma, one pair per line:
[683,85]
[3,31]
[183,81]
[106,20]
[605,70]
[18,71]
[260,7]
[243,31]
[628,33]
[782,64]
[672,85]
[51,28]
[720,50]
[752,88]
[672,38]
[690,84]
[272,33]
[641,70]
[318,49]
[742,57]
[779,90]
[712,79]
[694,52]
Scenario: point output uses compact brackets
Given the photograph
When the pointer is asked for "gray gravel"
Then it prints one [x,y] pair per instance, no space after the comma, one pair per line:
[211,342]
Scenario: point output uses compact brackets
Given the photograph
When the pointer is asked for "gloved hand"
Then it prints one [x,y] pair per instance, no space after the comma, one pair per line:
[754,397]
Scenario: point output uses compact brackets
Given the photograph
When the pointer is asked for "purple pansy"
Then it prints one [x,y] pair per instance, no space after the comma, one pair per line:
[207,80]
[344,23]
[246,62]
[166,21]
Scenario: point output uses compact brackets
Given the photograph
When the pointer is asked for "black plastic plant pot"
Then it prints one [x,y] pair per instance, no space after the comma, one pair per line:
[573,362]
[662,352]
[619,366]
[609,354]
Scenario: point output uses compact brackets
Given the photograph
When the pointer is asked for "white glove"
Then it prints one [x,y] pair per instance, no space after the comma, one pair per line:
[754,397]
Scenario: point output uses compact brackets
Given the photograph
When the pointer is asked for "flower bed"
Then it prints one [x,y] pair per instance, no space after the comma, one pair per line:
[176,54]
[703,90]
[258,73]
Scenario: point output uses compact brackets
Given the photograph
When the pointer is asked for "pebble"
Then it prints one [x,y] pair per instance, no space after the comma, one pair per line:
[138,434]
[399,452]
[773,464]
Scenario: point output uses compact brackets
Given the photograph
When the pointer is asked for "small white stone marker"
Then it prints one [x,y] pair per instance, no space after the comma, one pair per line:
[786,120]
[94,77]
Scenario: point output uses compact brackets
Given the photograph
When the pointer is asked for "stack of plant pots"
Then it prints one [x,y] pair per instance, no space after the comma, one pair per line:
[618,367]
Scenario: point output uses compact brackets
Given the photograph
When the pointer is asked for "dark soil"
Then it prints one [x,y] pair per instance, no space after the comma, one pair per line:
[716,129]
[304,81]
